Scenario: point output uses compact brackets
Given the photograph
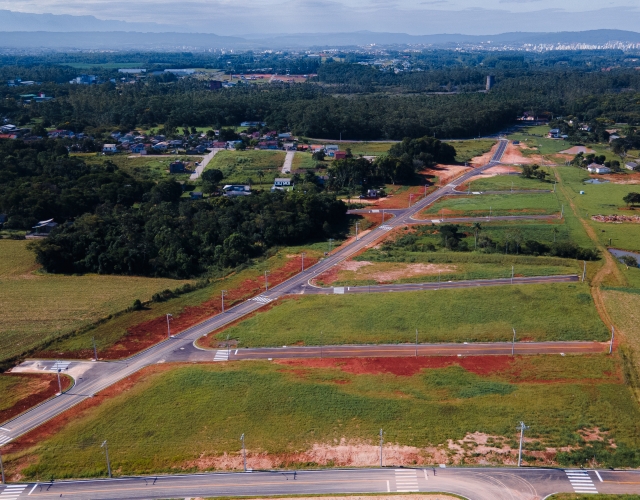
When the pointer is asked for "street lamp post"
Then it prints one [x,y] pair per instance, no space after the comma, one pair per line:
[416,342]
[381,441]
[513,344]
[1,468]
[302,255]
[59,383]
[522,429]
[266,280]
[330,242]
[169,318]
[357,227]
[410,198]
[95,350]
[611,344]
[584,270]
[223,293]
[512,271]
[244,453]
[106,451]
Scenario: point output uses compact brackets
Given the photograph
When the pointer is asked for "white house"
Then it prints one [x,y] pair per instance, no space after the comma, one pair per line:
[632,165]
[109,148]
[594,168]
[281,182]
[331,147]
[161,146]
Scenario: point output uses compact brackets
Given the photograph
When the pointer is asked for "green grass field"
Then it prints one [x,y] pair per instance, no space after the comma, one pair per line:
[467,150]
[239,166]
[540,312]
[495,204]
[239,284]
[38,307]
[303,161]
[508,182]
[604,199]
[285,409]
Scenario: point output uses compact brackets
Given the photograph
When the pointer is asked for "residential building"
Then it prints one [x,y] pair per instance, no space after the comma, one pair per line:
[176,167]
[236,190]
[339,155]
[281,182]
[595,168]
[631,165]
[109,149]
[42,229]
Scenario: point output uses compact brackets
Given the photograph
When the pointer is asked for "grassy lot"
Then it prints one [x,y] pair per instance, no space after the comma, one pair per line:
[154,167]
[38,307]
[204,301]
[541,312]
[605,199]
[285,409]
[14,388]
[238,166]
[466,150]
[303,160]
[432,267]
[494,204]
[508,182]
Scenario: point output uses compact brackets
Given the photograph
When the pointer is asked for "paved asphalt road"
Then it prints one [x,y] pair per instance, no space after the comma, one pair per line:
[471,483]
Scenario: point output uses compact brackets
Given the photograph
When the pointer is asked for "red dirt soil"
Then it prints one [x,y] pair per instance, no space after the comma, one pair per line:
[47,389]
[406,366]
[149,333]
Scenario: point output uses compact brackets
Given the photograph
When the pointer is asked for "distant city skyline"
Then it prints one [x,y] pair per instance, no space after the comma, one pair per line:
[421,17]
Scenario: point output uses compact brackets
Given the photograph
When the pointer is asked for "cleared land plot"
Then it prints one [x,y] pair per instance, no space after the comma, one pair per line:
[602,199]
[239,166]
[135,330]
[304,161]
[440,268]
[538,312]
[365,148]
[23,391]
[144,167]
[328,413]
[494,204]
[509,182]
[466,150]
[40,307]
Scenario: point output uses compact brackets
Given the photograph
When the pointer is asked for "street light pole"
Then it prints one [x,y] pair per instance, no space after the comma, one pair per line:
[357,226]
[169,318]
[303,254]
[512,267]
[611,344]
[244,453]
[106,451]
[416,342]
[381,441]
[410,198]
[321,342]
[266,281]
[59,383]
[2,468]
[522,428]
[513,344]
[95,351]
[223,292]
[584,270]
[330,242]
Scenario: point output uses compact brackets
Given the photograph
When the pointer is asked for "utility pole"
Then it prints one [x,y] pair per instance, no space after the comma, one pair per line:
[302,255]
[266,281]
[169,318]
[330,242]
[522,429]
[425,190]
[223,293]
[512,274]
[228,348]
[410,198]
[244,453]
[513,344]
[59,383]
[106,451]
[381,441]
[489,213]
[321,342]
[416,342]
[357,226]
[611,344]
[95,351]
[562,212]
[2,468]
[584,270]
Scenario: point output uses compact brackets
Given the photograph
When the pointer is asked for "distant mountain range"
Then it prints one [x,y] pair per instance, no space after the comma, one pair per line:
[29,32]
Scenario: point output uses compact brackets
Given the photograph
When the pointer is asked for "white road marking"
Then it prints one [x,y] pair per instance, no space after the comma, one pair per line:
[12,491]
[60,365]
[406,480]
[385,227]
[236,353]
[34,487]
[581,481]
[262,299]
[598,474]
[426,476]
[4,439]
[388,486]
[221,355]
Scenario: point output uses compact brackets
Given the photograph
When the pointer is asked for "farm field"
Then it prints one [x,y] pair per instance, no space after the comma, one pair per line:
[602,199]
[494,204]
[508,182]
[467,150]
[239,166]
[537,312]
[135,330]
[38,307]
[310,413]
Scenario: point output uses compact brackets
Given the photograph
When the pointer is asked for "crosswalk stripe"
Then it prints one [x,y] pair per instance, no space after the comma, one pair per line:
[60,365]
[262,299]
[385,227]
[581,481]
[221,355]
[406,481]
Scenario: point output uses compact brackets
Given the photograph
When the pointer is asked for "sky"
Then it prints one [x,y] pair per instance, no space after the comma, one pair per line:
[418,17]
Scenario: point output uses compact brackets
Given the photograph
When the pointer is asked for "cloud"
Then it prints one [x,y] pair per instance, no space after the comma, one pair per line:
[434,2]
[519,1]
